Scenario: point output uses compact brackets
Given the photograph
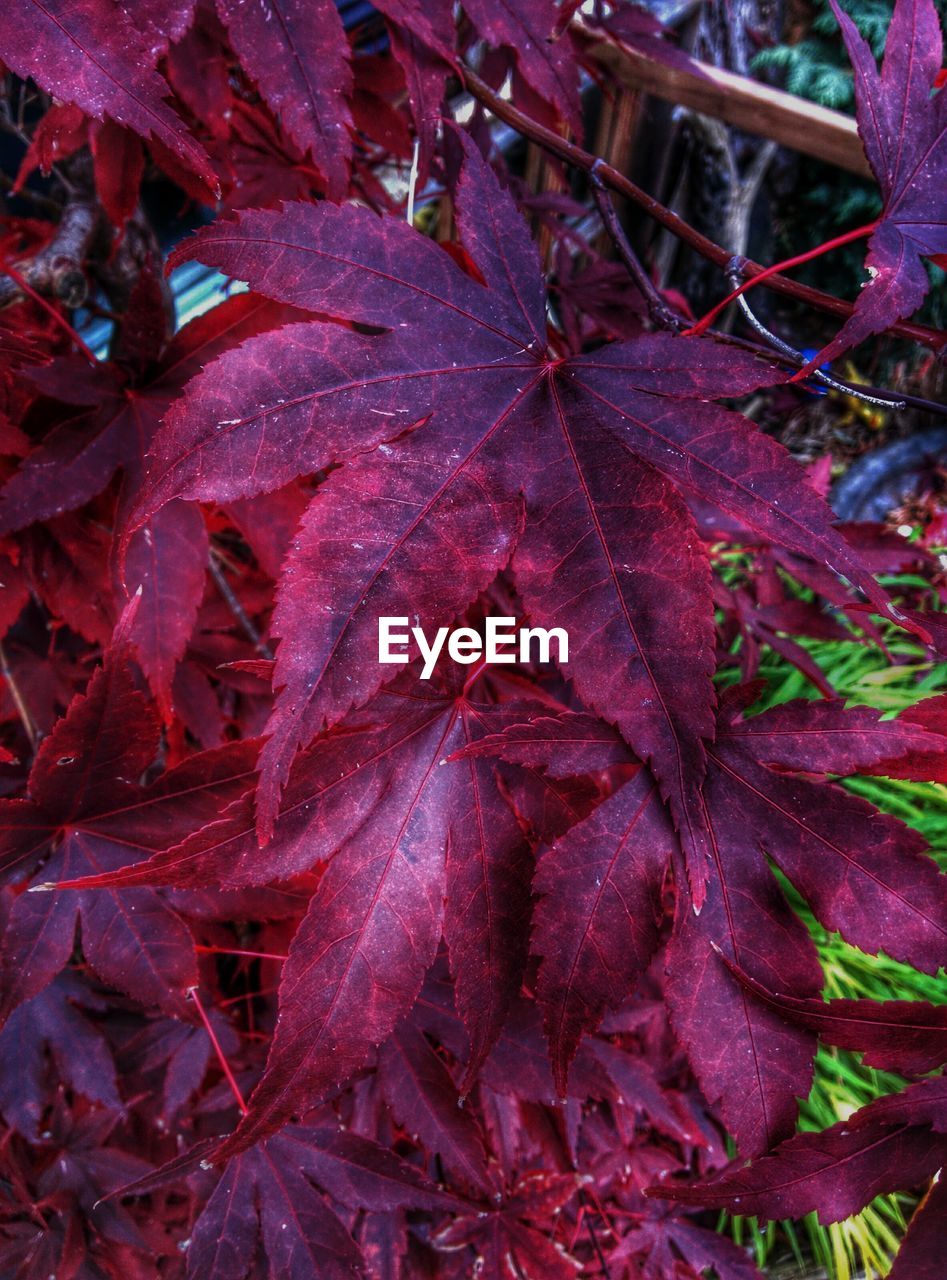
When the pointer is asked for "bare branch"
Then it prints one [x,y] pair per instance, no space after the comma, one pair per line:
[238,611]
[57,271]
[662,316]
[581,159]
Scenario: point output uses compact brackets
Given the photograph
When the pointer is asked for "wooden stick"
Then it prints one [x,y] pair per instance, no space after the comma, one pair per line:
[757,108]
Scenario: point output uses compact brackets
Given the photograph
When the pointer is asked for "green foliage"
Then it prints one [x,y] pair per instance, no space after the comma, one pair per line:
[830,201]
[865,1244]
[817,66]
[810,69]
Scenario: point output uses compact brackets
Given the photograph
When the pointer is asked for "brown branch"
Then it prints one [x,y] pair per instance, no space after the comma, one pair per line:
[662,316]
[893,399]
[238,611]
[46,203]
[665,317]
[581,159]
[58,270]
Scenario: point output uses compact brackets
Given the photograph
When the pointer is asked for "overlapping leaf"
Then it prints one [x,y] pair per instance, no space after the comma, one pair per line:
[893,1143]
[53,1024]
[87,813]
[598,917]
[909,1036]
[403,833]
[90,52]
[505,1237]
[443,442]
[863,873]
[297,52]
[555,830]
[113,428]
[904,130]
[268,1203]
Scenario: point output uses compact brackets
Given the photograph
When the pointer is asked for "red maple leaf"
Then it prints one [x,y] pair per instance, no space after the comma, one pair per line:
[374,798]
[119,409]
[449,446]
[298,55]
[897,1142]
[93,54]
[861,872]
[506,1244]
[480,955]
[269,1202]
[85,813]
[904,131]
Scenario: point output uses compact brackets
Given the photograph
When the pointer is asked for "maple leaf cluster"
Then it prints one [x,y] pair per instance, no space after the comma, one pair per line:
[309,968]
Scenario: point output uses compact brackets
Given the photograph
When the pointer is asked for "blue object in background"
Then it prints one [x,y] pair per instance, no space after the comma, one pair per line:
[814,388]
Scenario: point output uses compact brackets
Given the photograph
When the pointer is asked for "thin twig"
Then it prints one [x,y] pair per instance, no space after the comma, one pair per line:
[239,951]
[602,175]
[221,1056]
[46,203]
[23,711]
[743,193]
[581,159]
[592,1235]
[238,611]
[9,125]
[890,399]
[742,190]
[662,315]
[881,396]
[742,199]
[791,353]
[770,273]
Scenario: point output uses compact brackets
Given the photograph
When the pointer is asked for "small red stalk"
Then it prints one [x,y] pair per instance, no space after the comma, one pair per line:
[235,951]
[224,1064]
[247,995]
[777,268]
